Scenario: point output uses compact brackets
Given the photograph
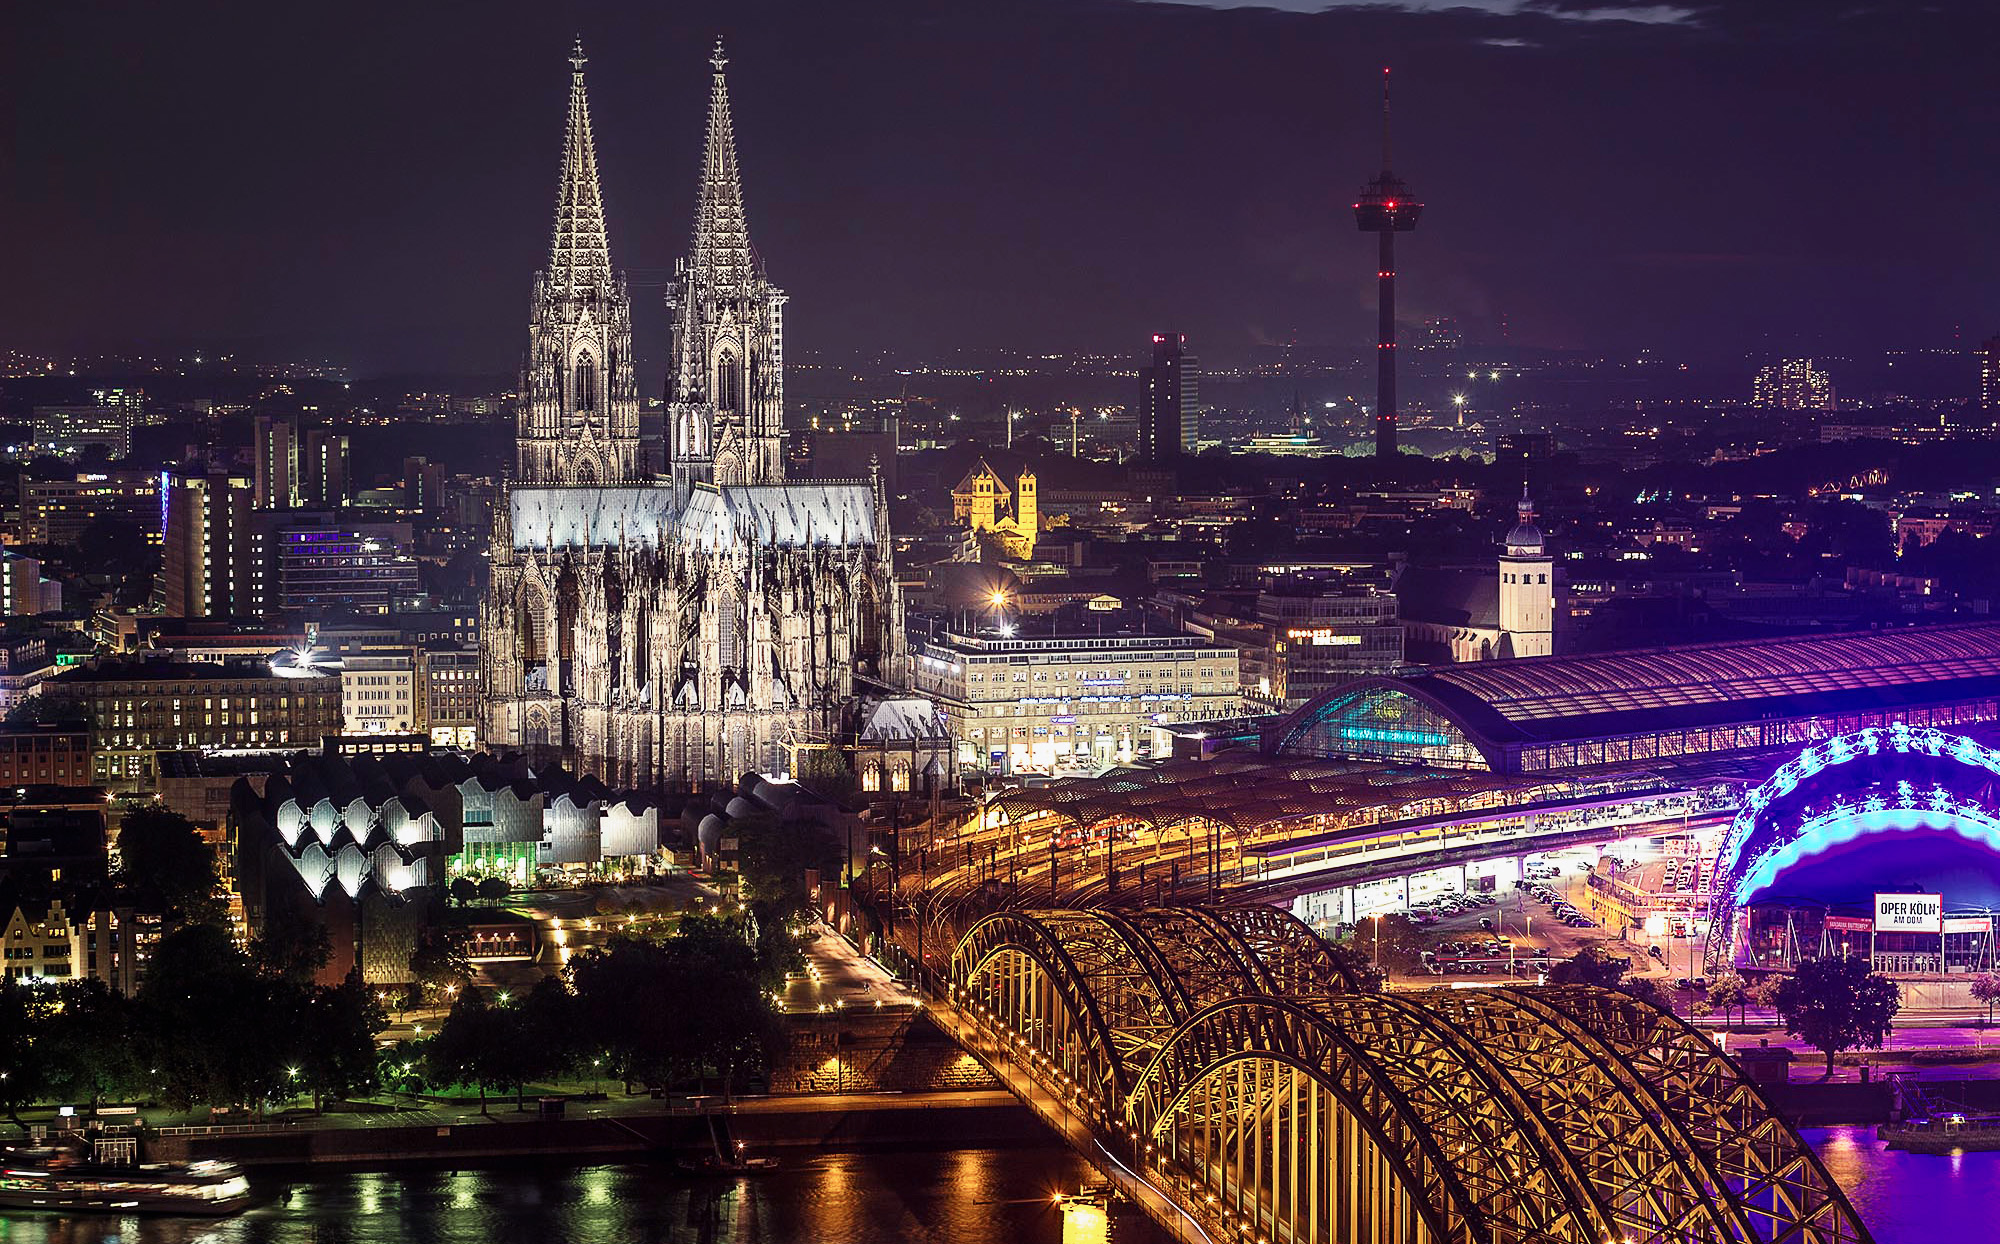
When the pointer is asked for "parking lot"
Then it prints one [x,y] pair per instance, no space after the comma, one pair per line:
[1512,933]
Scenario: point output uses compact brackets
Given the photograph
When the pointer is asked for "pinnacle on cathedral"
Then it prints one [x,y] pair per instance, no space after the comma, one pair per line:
[725,377]
[580,256]
[720,257]
[578,420]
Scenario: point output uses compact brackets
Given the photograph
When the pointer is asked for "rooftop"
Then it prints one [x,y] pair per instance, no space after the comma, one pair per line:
[1544,696]
[1561,699]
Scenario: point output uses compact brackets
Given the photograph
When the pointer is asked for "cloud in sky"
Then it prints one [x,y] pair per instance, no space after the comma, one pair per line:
[1640,14]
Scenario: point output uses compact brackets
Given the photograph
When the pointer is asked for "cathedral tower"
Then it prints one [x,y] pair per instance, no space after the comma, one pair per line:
[579,406]
[725,375]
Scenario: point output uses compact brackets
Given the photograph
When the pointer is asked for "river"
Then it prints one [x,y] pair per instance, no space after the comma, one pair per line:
[945,1196]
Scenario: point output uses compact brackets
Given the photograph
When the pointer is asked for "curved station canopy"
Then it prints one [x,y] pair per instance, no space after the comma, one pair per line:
[1550,713]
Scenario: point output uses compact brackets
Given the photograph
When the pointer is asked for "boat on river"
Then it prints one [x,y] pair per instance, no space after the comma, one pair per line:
[56,1179]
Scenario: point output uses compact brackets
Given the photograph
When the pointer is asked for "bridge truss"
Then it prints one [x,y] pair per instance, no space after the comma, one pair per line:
[1228,1054]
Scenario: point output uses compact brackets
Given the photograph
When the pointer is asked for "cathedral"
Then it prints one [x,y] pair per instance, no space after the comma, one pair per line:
[681,628]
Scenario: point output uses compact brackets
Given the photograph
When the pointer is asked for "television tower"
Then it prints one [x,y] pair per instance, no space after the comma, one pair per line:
[1386,207]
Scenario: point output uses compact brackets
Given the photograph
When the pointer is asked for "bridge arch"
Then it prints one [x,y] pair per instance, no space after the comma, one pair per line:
[1472,1160]
[1014,969]
[1271,1100]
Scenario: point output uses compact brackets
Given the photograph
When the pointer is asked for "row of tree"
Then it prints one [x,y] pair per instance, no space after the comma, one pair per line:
[219,1025]
[209,1026]
[690,1008]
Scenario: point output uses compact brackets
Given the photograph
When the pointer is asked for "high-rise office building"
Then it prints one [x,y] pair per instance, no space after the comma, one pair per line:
[1989,374]
[423,485]
[66,431]
[1794,384]
[213,562]
[323,469]
[277,465]
[1170,400]
[365,567]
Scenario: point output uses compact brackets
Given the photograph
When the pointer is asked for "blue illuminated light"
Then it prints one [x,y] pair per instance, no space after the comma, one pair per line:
[1923,741]
[1373,734]
[1823,833]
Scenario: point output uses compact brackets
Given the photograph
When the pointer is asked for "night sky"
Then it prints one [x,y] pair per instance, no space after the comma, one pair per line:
[374,183]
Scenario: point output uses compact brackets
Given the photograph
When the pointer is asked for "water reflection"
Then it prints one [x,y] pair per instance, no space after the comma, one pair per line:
[976,1196]
[1912,1198]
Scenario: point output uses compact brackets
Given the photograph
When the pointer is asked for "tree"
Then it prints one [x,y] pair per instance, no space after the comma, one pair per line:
[291,947]
[471,1048]
[1363,970]
[1594,965]
[1765,992]
[23,1075]
[165,867]
[1986,988]
[547,1039]
[494,890]
[438,965]
[1837,1004]
[775,857]
[632,996]
[1591,965]
[464,890]
[47,710]
[1728,991]
[212,1029]
[1392,942]
[403,1065]
[88,1046]
[333,1050]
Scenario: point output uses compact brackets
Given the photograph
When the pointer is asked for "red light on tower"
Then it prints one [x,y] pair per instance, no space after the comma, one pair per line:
[1386,208]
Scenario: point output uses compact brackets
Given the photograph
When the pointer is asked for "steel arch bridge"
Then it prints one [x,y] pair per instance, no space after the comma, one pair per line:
[1269,1099]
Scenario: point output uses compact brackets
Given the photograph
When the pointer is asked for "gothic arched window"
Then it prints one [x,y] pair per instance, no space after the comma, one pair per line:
[586,383]
[729,632]
[728,384]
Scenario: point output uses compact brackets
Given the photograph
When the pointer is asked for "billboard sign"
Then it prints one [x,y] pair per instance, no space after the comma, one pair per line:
[1909,913]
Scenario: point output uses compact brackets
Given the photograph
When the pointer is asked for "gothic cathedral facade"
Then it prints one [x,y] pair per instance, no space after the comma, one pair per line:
[681,630]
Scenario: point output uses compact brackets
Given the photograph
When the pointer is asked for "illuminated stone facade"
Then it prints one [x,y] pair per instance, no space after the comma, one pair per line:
[676,632]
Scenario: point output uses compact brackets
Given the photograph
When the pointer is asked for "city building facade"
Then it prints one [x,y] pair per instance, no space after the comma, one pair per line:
[137,709]
[378,693]
[45,756]
[1043,704]
[1794,384]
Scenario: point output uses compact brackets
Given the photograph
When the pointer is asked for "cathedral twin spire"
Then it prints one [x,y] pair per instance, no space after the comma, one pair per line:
[578,420]
[720,256]
[725,388]
[580,256]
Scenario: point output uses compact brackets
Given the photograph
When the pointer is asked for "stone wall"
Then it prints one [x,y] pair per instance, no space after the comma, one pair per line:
[870,1053]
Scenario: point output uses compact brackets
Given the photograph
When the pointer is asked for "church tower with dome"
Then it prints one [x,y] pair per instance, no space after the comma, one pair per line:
[1527,591]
